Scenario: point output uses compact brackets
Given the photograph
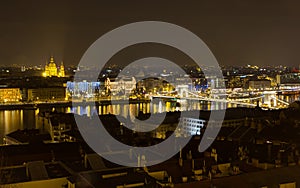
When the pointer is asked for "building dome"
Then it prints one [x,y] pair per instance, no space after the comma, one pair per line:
[52,63]
[51,69]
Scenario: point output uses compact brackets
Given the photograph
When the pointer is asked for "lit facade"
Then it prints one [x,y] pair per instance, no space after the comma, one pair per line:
[61,70]
[45,94]
[10,95]
[124,85]
[190,126]
[260,84]
[183,90]
[83,89]
[52,70]
[215,83]
[290,78]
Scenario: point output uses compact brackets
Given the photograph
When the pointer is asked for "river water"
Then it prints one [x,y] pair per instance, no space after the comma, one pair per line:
[12,120]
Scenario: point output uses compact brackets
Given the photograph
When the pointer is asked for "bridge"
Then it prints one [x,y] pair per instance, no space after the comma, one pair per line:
[267,98]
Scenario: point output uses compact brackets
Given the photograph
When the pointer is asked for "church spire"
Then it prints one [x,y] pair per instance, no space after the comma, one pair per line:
[62,69]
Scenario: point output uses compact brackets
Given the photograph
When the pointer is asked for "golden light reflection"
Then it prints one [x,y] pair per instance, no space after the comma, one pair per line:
[88,111]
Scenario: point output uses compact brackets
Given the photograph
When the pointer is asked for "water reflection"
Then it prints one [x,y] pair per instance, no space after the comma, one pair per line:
[11,120]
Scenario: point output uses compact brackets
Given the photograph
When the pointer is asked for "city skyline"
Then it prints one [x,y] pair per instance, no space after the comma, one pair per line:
[238,33]
[153,94]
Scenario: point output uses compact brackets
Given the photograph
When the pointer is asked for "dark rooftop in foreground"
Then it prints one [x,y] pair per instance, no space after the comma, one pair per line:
[31,171]
[113,178]
[27,136]
[267,178]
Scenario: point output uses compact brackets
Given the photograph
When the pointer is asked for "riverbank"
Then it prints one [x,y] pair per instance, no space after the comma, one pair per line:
[35,105]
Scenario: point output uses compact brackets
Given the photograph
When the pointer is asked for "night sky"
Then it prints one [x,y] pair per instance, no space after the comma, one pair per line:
[260,32]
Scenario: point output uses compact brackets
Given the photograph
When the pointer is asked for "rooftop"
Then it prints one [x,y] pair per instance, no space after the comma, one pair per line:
[18,174]
[267,178]
[113,178]
[28,135]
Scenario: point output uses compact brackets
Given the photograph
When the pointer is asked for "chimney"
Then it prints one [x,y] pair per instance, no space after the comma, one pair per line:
[189,155]
[180,153]
[180,158]
[85,161]
[180,162]
[193,164]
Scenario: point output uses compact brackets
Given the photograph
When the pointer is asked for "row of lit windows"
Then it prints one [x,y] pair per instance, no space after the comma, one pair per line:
[192,125]
[193,120]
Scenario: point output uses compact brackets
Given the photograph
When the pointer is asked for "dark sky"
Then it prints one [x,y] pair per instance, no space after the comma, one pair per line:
[261,32]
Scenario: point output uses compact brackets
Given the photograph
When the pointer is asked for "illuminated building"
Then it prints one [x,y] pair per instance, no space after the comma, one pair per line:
[84,88]
[52,70]
[190,126]
[124,85]
[10,95]
[182,90]
[45,94]
[61,70]
[215,82]
[290,78]
[260,84]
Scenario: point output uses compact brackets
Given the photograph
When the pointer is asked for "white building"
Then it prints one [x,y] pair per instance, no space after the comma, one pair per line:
[190,126]
[83,89]
[123,85]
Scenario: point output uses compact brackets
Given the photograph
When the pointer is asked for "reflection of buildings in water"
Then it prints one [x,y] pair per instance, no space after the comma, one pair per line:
[289,98]
[110,109]
[29,119]
[126,110]
[132,112]
[146,109]
[12,120]
[160,106]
